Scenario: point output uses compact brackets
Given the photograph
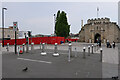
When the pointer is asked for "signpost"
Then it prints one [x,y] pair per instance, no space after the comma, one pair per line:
[15,25]
[27,42]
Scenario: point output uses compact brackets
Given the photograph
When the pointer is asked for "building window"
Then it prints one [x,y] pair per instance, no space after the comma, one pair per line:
[8,35]
[97,27]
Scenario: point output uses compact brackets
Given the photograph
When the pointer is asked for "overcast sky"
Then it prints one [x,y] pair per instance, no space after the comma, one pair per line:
[38,16]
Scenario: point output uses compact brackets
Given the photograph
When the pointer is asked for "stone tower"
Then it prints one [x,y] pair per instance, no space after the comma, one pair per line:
[99,29]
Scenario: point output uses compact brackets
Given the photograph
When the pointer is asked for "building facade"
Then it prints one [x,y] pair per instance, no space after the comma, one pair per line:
[8,33]
[99,29]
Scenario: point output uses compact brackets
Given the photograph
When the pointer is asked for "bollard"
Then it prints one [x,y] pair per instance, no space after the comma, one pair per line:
[69,53]
[55,51]
[27,47]
[84,52]
[88,50]
[0,46]
[18,51]
[92,49]
[46,46]
[70,48]
[95,47]
[32,46]
[101,53]
[23,47]
[43,47]
[40,46]
[7,47]
[75,52]
[43,50]
[21,50]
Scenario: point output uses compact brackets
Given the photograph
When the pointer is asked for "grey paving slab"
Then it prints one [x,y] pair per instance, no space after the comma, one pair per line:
[0,64]
[81,69]
[119,60]
[60,68]
[110,55]
[109,70]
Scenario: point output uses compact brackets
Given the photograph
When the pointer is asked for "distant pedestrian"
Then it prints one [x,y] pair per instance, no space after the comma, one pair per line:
[97,41]
[113,44]
[108,44]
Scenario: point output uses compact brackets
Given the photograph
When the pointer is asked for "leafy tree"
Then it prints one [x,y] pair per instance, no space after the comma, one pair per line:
[61,26]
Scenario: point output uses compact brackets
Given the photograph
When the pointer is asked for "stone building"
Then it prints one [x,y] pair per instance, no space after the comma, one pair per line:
[99,29]
[8,33]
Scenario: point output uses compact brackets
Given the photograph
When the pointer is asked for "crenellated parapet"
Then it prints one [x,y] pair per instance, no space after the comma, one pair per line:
[98,20]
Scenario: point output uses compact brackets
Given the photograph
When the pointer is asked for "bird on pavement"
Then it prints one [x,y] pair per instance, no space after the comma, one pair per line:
[25,69]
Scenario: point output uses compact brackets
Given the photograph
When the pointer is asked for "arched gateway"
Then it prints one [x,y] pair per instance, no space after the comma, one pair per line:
[97,37]
[101,29]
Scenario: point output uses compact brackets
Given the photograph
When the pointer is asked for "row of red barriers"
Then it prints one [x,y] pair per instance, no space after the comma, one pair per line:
[36,40]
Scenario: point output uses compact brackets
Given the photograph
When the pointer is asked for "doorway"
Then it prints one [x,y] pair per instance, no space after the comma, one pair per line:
[97,37]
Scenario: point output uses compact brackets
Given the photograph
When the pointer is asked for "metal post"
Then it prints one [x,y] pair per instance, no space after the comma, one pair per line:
[40,46]
[46,46]
[92,49]
[27,45]
[69,54]
[54,23]
[84,52]
[43,50]
[23,47]
[75,52]
[95,48]
[31,36]
[3,25]
[101,54]
[32,46]
[18,51]
[0,46]
[43,47]
[88,50]
[55,50]
[15,43]
[7,47]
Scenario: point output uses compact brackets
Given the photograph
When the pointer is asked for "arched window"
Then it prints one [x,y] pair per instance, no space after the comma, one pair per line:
[97,27]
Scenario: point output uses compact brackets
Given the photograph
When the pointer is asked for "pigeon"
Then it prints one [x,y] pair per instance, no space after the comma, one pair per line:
[115,78]
[25,69]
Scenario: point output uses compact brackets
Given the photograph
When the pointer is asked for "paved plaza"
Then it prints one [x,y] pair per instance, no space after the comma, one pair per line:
[59,67]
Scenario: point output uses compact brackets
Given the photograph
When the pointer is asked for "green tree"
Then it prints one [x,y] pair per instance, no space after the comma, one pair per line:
[62,28]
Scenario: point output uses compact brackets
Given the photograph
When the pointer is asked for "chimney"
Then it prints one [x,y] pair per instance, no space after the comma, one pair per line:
[81,23]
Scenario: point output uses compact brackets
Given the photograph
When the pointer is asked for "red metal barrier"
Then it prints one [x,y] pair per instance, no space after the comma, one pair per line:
[72,40]
[37,40]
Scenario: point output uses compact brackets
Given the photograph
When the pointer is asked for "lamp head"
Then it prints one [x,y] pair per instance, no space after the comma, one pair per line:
[5,8]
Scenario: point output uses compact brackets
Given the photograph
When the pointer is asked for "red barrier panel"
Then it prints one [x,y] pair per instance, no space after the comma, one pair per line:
[72,40]
[37,40]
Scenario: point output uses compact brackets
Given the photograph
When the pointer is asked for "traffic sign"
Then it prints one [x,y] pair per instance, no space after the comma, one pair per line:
[15,26]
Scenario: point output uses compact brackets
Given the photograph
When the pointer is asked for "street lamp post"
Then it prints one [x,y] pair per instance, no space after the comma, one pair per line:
[3,25]
[31,36]
[54,23]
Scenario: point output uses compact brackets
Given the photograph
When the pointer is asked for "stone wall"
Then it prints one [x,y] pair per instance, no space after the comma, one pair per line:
[82,35]
[108,30]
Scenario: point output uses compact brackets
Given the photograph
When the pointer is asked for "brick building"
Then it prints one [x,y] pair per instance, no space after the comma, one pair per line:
[8,33]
